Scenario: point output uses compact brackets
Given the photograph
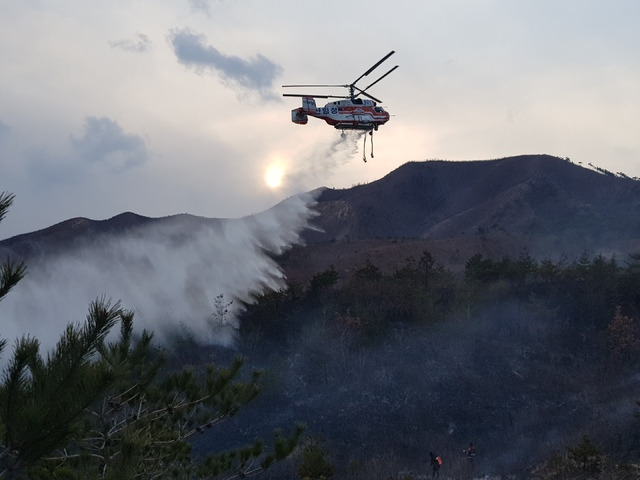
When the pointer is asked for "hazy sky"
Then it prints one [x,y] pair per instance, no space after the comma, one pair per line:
[162,107]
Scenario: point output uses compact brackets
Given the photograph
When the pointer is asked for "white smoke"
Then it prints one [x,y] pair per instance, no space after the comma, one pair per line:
[169,273]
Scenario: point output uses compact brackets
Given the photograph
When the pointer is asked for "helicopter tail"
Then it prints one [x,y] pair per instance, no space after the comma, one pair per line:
[299,115]
[309,104]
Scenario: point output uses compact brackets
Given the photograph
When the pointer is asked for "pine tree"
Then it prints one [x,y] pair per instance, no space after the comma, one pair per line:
[621,339]
[426,265]
[586,456]
[314,465]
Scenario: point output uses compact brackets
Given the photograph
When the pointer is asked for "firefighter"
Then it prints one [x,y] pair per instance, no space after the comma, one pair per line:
[436,463]
[471,451]
[471,459]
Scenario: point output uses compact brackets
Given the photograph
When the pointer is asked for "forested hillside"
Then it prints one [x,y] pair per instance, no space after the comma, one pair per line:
[522,357]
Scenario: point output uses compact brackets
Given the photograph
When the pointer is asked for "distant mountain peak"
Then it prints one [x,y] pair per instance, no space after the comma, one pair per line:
[534,198]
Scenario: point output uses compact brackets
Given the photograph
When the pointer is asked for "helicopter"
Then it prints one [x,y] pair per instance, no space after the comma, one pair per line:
[349,113]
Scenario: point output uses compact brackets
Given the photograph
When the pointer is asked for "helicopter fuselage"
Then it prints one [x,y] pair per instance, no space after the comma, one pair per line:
[349,114]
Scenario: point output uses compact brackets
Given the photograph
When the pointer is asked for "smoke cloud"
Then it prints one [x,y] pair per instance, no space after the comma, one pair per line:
[169,273]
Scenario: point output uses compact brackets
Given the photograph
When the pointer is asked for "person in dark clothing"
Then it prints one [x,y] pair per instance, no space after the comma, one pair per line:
[436,462]
[471,451]
[471,459]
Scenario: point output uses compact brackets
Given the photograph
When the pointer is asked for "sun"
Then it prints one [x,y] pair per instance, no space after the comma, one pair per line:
[273,175]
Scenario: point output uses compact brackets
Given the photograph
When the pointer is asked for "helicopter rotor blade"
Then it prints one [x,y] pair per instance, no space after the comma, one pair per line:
[366,88]
[312,95]
[374,67]
[352,87]
[303,85]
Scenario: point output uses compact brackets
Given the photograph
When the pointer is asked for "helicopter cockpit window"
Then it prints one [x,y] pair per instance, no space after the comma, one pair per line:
[378,109]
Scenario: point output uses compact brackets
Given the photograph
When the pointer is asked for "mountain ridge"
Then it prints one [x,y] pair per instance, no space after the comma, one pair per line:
[546,204]
[533,198]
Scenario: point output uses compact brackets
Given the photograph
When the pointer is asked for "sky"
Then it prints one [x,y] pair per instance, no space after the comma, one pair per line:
[163,107]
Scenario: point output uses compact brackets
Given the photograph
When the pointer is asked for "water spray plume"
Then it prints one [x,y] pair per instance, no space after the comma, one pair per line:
[170,273]
[320,162]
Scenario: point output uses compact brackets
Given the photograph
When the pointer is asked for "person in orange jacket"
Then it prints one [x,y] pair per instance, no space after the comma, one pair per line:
[436,463]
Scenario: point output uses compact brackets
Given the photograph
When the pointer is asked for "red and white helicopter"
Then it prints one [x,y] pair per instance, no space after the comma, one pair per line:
[351,113]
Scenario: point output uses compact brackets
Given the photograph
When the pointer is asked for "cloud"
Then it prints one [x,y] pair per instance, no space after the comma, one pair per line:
[200,6]
[139,43]
[104,142]
[256,74]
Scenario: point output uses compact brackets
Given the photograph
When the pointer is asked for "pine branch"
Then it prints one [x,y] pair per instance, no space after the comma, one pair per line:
[6,199]
[15,390]
[11,272]
[42,401]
